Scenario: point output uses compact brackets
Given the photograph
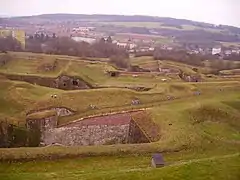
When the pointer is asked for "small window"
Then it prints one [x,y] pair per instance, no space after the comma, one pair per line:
[113,74]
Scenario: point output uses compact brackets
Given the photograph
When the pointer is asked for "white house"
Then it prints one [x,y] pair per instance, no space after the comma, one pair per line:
[132,45]
[84,39]
[235,51]
[126,45]
[228,52]
[216,51]
[120,44]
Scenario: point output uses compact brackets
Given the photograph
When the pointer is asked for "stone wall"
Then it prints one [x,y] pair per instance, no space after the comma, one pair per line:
[70,83]
[87,135]
[100,130]
[43,124]
[13,136]
[108,129]
[61,111]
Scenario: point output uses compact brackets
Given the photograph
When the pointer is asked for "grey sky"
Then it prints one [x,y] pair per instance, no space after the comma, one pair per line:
[212,11]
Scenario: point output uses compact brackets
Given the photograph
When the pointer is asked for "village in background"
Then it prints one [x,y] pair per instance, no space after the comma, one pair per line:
[129,33]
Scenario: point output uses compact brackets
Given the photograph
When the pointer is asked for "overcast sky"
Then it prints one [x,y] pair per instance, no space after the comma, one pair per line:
[212,11]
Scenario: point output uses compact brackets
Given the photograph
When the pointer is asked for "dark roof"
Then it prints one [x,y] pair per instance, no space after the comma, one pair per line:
[158,159]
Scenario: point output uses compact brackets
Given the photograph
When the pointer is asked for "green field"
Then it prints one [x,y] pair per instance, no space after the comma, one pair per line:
[134,24]
[127,167]
[157,25]
[199,133]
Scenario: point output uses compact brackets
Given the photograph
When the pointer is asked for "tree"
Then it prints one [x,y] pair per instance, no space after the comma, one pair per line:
[109,39]
[120,61]
[4,59]
[54,35]
[42,36]
[10,44]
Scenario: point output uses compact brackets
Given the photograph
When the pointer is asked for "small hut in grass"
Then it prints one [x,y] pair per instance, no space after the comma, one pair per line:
[157,161]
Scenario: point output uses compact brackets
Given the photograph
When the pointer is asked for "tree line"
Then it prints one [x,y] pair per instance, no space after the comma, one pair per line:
[64,46]
[105,49]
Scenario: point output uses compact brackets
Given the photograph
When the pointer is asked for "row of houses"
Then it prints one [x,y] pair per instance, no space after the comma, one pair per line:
[221,51]
[129,45]
[215,51]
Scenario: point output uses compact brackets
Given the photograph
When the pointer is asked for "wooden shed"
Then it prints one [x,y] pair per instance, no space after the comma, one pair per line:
[157,161]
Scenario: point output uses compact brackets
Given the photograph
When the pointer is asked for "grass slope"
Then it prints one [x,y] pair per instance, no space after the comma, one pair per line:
[217,167]
[199,134]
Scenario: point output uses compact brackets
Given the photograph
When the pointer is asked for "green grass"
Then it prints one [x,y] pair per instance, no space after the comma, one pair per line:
[182,134]
[16,97]
[199,134]
[208,149]
[134,24]
[93,71]
[127,167]
[231,72]
[157,25]
[227,44]
[42,114]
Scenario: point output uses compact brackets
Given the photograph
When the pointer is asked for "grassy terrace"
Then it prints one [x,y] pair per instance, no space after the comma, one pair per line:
[17,98]
[127,167]
[22,97]
[217,126]
[42,114]
[202,149]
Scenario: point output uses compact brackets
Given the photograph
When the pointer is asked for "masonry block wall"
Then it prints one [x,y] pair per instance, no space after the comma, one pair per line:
[100,130]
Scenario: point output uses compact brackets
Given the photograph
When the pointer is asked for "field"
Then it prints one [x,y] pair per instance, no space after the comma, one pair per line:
[199,124]
[134,24]
[158,25]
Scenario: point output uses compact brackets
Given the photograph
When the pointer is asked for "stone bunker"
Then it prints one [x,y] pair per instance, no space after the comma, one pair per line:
[118,128]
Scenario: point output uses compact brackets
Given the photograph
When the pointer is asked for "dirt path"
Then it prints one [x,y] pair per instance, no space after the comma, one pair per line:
[181,163]
[202,159]
[65,69]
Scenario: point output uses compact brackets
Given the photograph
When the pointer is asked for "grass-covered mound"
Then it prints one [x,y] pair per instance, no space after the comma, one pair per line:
[42,114]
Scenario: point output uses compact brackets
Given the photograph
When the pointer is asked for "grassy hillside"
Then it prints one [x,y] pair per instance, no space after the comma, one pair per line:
[218,167]
[198,123]
[179,130]
[159,25]
[207,149]
[17,98]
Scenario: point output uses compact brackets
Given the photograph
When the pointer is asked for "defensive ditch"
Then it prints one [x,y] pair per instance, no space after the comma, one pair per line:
[61,82]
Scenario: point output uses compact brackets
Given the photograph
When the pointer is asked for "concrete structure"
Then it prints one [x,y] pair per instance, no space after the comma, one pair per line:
[157,161]
[116,128]
[99,130]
